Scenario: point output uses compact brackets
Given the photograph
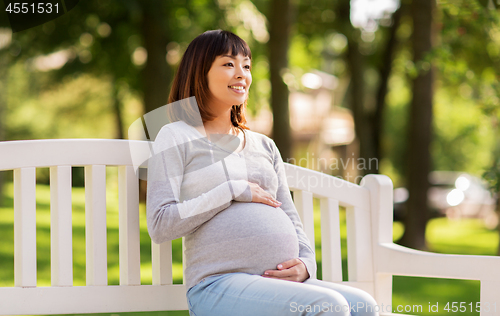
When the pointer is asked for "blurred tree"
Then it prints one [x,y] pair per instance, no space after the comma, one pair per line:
[420,126]
[357,66]
[469,60]
[464,59]
[368,119]
[96,38]
[125,42]
[469,55]
[157,74]
[384,68]
[280,22]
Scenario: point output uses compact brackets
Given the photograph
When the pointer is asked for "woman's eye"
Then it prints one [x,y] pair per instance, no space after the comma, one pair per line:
[232,65]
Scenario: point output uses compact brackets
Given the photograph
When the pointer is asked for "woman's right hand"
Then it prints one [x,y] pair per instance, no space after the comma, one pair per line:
[261,196]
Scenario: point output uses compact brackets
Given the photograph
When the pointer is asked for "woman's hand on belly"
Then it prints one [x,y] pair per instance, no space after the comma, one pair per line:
[261,196]
[292,270]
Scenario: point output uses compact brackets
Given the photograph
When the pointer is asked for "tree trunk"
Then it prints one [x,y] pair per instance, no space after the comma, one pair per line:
[384,72]
[280,18]
[356,64]
[362,123]
[157,73]
[420,128]
[368,125]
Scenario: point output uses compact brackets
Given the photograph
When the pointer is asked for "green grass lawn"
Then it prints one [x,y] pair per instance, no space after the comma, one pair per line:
[444,236]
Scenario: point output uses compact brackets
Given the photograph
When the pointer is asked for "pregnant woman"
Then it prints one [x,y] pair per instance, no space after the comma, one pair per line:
[224,188]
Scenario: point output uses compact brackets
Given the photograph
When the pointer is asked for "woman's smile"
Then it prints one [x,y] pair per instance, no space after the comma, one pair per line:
[238,88]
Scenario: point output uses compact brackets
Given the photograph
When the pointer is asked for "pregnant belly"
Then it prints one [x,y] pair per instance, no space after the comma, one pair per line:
[246,237]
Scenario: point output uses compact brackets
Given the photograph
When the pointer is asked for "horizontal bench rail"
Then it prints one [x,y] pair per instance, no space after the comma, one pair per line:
[67,152]
[91,299]
[323,185]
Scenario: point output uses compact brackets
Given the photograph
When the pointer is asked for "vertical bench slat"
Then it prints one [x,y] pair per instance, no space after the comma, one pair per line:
[129,232]
[381,210]
[489,297]
[25,227]
[331,254]
[162,263]
[183,260]
[359,250]
[303,201]
[95,225]
[61,235]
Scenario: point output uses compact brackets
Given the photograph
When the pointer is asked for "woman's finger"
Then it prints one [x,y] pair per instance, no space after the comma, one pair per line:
[289,263]
[261,196]
[271,199]
[268,199]
[291,272]
[288,274]
[275,203]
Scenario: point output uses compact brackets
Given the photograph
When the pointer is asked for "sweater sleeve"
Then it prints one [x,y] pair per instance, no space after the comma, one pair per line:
[167,217]
[306,252]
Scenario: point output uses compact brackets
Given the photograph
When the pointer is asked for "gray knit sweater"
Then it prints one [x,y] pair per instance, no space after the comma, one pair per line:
[199,189]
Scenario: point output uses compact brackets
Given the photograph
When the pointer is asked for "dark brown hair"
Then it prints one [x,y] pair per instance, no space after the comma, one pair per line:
[191,77]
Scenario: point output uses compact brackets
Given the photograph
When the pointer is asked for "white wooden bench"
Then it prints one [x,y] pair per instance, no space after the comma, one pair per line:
[372,256]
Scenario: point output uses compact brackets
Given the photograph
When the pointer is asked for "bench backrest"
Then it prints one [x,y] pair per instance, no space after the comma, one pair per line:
[23,157]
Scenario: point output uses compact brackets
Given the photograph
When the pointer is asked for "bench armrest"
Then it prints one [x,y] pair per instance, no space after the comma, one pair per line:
[398,260]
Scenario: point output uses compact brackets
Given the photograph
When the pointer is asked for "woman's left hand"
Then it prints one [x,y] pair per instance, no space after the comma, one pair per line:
[292,270]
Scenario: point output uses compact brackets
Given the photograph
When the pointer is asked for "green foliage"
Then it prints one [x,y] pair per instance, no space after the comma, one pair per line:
[492,174]
[466,67]
[305,53]
[461,237]
[463,134]
[57,112]
[466,91]
[394,142]
[429,296]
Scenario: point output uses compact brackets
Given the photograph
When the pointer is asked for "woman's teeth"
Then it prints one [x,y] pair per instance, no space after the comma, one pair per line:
[237,87]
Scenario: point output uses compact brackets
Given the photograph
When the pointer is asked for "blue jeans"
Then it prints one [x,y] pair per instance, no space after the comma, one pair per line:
[253,295]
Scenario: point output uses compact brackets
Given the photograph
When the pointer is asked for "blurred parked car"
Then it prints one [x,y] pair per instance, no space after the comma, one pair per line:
[455,195]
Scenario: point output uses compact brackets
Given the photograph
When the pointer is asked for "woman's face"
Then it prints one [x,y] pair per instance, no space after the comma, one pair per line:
[229,79]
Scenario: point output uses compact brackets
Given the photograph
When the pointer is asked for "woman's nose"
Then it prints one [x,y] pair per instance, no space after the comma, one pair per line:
[240,73]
